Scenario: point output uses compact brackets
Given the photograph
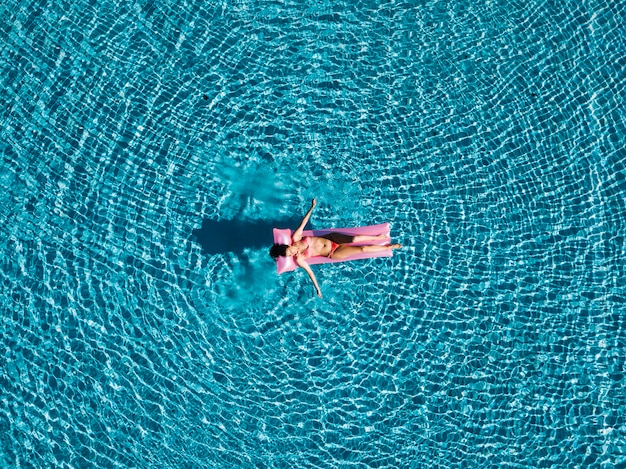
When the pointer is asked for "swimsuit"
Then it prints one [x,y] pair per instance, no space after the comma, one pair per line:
[333,248]
[305,253]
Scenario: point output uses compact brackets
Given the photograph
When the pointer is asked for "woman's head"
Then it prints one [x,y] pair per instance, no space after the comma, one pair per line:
[278,250]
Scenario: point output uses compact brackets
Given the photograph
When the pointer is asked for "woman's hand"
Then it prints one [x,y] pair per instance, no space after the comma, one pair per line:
[319,293]
[313,203]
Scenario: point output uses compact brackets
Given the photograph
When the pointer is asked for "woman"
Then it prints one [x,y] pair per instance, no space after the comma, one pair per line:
[332,245]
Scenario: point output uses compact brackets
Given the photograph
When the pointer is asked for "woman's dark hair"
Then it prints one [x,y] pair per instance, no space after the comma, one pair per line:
[278,250]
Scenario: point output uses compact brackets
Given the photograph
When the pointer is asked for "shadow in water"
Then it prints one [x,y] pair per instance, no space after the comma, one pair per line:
[219,237]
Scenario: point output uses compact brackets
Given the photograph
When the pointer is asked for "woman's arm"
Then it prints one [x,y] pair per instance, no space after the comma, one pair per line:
[297,235]
[302,263]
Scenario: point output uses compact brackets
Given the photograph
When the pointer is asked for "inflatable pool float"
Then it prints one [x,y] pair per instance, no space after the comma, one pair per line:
[288,264]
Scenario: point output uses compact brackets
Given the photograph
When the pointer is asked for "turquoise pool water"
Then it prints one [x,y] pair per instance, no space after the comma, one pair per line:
[147,150]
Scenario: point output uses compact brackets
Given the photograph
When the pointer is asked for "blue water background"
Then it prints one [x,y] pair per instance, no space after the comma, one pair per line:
[149,147]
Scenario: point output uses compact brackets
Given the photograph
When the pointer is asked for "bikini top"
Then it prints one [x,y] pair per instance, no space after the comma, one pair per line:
[306,253]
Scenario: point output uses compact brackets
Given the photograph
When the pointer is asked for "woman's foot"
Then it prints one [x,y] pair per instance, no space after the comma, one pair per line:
[395,246]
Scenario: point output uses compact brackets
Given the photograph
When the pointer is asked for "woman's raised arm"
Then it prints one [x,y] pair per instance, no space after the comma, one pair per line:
[297,235]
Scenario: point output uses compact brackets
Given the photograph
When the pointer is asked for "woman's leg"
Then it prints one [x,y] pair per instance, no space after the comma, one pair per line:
[341,238]
[365,238]
[344,251]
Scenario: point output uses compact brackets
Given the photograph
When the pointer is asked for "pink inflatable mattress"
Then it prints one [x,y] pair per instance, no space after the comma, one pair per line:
[287,264]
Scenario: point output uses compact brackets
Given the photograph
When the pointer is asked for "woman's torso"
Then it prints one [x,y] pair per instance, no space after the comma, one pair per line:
[316,246]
